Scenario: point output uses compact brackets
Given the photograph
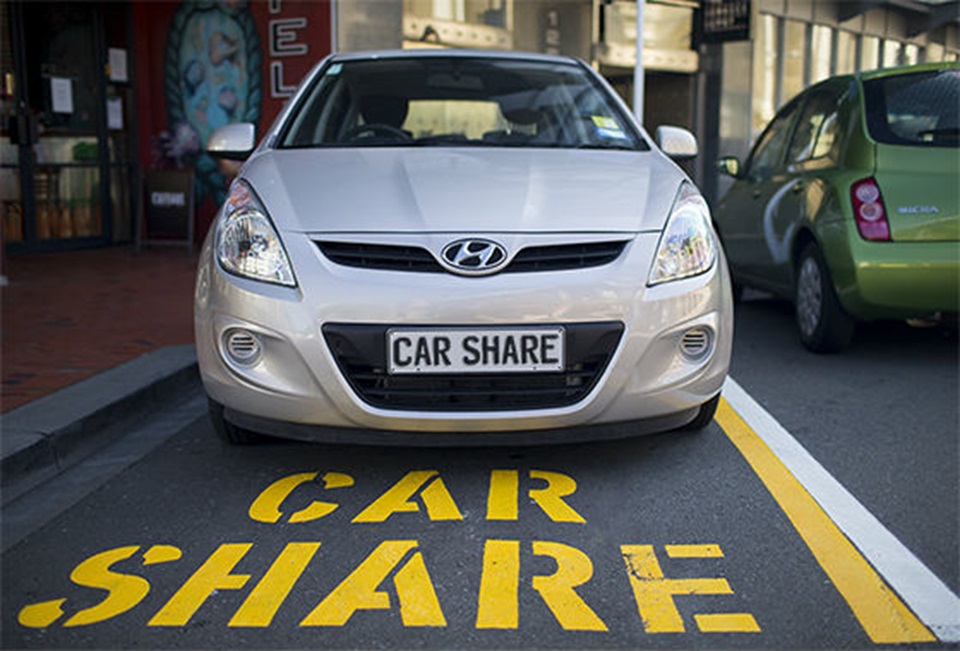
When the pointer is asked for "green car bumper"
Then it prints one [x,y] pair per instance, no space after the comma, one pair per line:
[901,279]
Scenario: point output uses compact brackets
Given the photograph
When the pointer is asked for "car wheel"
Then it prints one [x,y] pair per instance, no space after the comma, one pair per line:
[823,324]
[227,431]
[704,416]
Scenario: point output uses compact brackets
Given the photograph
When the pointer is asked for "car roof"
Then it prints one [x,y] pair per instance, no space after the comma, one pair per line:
[880,73]
[447,53]
[920,67]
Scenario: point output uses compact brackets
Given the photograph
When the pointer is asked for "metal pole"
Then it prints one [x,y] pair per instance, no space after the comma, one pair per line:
[638,66]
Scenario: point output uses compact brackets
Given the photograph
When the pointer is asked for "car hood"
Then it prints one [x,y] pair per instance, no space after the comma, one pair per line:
[464,190]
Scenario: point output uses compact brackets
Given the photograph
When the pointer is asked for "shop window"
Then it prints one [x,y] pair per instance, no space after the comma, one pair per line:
[667,36]
[846,53]
[479,12]
[911,54]
[738,110]
[794,58]
[449,10]
[11,206]
[457,23]
[869,53]
[821,46]
[892,54]
[764,72]
[934,52]
[666,27]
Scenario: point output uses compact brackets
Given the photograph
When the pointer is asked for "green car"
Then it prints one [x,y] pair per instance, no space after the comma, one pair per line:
[849,203]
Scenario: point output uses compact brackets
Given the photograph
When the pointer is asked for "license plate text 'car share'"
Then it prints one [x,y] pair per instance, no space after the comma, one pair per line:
[486,350]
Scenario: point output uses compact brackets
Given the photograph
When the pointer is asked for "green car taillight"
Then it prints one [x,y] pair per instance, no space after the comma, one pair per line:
[869,211]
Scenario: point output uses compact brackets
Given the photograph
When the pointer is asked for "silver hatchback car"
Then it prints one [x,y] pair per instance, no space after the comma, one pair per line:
[460,248]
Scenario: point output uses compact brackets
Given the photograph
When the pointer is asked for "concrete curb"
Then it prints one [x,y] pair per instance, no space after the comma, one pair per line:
[44,437]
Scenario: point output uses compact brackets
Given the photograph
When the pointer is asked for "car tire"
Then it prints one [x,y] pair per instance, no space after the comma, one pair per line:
[823,325]
[704,416]
[227,431]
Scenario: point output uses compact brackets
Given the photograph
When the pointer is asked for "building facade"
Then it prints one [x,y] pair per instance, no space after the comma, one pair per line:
[105,105]
[795,43]
[99,99]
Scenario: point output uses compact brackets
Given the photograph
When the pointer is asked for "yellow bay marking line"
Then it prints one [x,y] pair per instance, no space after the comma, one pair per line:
[825,514]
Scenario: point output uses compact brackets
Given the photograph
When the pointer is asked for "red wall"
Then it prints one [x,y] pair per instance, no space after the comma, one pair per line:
[293,36]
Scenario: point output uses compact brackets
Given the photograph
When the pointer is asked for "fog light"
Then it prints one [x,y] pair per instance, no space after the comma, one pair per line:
[242,346]
[696,343]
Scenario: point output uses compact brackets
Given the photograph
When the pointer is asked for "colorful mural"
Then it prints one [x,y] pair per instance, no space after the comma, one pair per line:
[204,63]
[212,77]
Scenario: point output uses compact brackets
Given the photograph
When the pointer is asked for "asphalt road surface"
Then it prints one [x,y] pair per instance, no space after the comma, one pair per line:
[818,511]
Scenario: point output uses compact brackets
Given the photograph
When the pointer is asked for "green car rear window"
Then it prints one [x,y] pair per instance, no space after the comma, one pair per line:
[917,109]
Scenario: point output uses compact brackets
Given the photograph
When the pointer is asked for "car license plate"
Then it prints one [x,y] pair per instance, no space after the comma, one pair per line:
[484,350]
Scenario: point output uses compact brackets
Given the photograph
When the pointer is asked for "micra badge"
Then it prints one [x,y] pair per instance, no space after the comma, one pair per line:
[918,210]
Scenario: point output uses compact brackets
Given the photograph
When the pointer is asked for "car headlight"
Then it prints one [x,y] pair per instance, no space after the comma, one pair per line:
[687,246]
[247,244]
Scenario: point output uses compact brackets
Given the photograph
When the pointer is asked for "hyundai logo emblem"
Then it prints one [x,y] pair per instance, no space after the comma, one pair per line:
[473,257]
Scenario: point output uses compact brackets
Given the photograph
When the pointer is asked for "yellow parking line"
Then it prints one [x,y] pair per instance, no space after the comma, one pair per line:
[882,614]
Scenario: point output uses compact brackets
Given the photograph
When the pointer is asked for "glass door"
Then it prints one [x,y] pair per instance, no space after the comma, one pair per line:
[64,152]
[11,196]
[121,166]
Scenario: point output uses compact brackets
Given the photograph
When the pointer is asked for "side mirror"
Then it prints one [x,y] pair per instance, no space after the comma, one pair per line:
[729,165]
[232,141]
[676,143]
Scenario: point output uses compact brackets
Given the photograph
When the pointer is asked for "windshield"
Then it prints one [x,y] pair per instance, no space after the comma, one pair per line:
[456,101]
[918,109]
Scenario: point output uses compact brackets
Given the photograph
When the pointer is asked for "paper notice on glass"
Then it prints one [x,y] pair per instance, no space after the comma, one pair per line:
[117,59]
[115,113]
[61,95]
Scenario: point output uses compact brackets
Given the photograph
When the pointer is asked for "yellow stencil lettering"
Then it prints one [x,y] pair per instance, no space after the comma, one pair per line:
[436,499]
[124,591]
[213,575]
[419,605]
[550,499]
[503,496]
[574,568]
[268,595]
[266,508]
[654,594]
[498,603]
[41,615]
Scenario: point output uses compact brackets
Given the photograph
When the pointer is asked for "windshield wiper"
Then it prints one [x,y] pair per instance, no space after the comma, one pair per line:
[607,145]
[445,141]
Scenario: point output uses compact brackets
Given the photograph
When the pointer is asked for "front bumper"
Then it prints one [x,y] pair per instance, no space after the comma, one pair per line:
[295,386]
[406,438]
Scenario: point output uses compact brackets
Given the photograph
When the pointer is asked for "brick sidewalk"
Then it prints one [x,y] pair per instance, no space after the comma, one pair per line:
[69,316]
